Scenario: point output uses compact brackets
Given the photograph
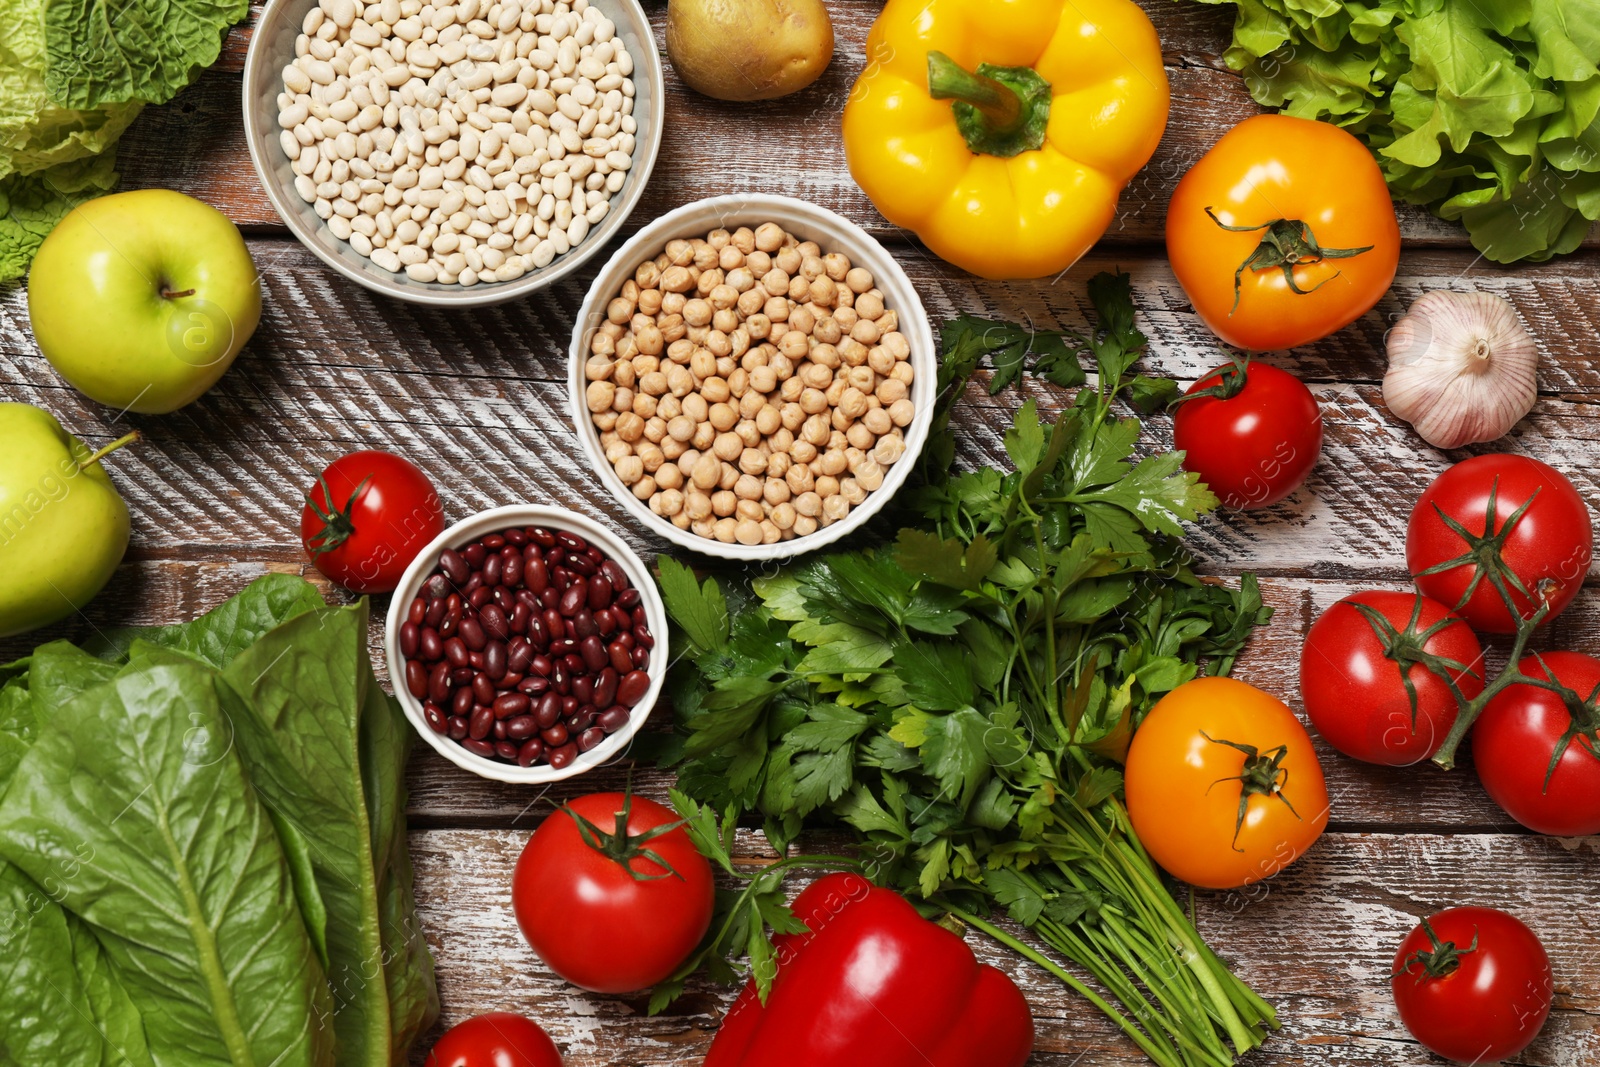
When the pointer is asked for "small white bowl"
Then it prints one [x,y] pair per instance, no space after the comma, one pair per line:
[493,521]
[810,223]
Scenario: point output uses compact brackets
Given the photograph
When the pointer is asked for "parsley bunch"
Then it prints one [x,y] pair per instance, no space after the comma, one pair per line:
[961,699]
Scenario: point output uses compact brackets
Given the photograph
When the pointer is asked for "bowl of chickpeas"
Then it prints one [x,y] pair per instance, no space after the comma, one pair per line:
[752,376]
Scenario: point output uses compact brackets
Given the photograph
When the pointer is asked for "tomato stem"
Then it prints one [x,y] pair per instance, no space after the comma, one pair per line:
[337,526]
[625,848]
[1263,774]
[1285,245]
[1442,960]
[1233,378]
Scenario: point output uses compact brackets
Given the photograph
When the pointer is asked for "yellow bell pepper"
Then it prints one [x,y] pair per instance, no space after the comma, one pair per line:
[1056,105]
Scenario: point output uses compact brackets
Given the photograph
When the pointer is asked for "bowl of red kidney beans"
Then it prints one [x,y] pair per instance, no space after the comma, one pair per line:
[527,644]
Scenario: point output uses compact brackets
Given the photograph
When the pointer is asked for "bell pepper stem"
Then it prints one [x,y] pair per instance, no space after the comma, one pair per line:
[949,80]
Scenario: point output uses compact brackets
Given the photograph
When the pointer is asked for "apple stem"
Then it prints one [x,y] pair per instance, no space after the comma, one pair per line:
[126,439]
[168,294]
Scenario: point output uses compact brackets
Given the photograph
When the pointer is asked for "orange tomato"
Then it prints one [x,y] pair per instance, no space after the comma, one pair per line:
[1307,186]
[1223,786]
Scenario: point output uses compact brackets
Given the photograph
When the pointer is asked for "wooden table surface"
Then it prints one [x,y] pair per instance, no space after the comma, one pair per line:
[478,399]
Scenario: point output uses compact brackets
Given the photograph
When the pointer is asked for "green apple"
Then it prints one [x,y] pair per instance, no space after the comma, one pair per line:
[141,300]
[63,527]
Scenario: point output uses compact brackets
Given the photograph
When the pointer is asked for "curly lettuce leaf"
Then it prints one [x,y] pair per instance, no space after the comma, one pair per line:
[102,52]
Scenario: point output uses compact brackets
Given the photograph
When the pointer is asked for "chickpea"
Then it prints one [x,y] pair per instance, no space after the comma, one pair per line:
[715,389]
[808,504]
[804,320]
[827,331]
[650,301]
[891,390]
[671,502]
[605,420]
[877,421]
[703,528]
[775,491]
[707,470]
[763,379]
[727,476]
[645,488]
[724,530]
[851,490]
[730,258]
[697,504]
[615,450]
[704,435]
[748,532]
[835,508]
[747,433]
[803,451]
[753,461]
[783,516]
[803,525]
[799,479]
[727,446]
[768,419]
[816,375]
[870,307]
[903,373]
[723,502]
[901,412]
[827,486]
[865,331]
[847,317]
[788,258]
[889,448]
[630,469]
[852,403]
[759,324]
[600,395]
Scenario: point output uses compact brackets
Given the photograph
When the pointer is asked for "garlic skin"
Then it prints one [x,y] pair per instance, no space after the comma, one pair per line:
[1461,368]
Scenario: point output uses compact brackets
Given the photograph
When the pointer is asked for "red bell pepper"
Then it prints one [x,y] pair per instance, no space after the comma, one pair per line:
[874,983]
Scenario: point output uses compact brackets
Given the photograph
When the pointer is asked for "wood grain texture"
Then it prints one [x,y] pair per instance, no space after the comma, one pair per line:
[479,399]
[1318,940]
[196,144]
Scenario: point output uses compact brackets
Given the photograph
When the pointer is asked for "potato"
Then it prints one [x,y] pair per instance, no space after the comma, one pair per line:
[748,49]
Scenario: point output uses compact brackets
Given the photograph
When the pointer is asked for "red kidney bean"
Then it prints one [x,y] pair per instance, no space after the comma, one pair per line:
[454,566]
[439,683]
[605,686]
[435,717]
[471,631]
[494,622]
[483,689]
[519,639]
[613,570]
[410,637]
[509,705]
[632,688]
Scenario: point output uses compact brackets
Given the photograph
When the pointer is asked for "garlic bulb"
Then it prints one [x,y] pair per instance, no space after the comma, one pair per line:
[1461,368]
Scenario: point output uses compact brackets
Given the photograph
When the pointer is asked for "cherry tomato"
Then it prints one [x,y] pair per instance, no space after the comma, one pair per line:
[1472,984]
[1255,439]
[1353,684]
[619,914]
[367,517]
[498,1039]
[1275,182]
[1514,745]
[1223,786]
[1546,550]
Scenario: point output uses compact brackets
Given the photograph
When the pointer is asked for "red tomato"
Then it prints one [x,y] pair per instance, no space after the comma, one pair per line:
[367,517]
[1546,550]
[1353,684]
[619,917]
[1472,984]
[1515,739]
[498,1039]
[1252,443]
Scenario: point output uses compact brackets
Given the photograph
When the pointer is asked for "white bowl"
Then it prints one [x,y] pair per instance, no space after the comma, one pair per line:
[272,45]
[810,223]
[493,521]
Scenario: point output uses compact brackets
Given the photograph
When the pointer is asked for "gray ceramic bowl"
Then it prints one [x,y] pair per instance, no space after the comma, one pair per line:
[272,47]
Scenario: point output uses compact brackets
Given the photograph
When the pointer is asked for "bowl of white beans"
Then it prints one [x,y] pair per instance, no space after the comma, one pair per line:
[752,376]
[453,152]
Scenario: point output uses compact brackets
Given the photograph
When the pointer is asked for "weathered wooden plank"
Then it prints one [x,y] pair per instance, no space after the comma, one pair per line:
[479,400]
[196,144]
[1362,797]
[1317,941]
